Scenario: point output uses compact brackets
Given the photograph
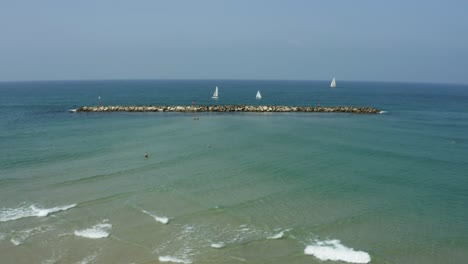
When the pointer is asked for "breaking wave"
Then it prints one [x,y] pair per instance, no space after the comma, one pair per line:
[161,219]
[335,251]
[277,236]
[97,231]
[217,245]
[8,214]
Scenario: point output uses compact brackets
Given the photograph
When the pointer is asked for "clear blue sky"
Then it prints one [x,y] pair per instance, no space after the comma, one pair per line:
[397,40]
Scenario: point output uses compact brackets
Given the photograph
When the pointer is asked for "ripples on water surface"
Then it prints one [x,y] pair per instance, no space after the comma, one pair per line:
[233,188]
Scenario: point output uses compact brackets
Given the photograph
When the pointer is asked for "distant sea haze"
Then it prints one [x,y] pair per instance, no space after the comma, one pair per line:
[233,187]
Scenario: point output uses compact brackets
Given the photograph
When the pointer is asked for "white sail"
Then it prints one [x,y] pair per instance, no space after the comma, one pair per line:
[333,83]
[215,94]
[258,96]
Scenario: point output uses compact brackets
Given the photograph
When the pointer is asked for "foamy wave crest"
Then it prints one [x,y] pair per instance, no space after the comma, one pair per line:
[174,259]
[18,237]
[277,236]
[97,231]
[335,251]
[183,246]
[383,112]
[8,214]
[161,219]
[189,241]
[217,245]
[280,233]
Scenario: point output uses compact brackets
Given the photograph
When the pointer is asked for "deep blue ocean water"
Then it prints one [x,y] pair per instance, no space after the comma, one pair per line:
[265,187]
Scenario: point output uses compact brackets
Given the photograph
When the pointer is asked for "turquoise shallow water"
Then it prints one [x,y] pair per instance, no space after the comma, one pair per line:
[262,187]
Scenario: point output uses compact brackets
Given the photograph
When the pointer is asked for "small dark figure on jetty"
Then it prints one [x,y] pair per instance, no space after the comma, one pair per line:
[146,155]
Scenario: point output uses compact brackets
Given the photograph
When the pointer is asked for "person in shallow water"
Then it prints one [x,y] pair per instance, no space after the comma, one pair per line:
[146,155]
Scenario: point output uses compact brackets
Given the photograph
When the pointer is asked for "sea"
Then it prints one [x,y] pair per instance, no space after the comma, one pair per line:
[233,187]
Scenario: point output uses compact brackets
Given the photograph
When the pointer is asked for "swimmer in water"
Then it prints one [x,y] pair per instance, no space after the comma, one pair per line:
[146,155]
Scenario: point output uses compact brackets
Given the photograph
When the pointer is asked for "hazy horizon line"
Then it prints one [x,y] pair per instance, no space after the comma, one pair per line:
[226,79]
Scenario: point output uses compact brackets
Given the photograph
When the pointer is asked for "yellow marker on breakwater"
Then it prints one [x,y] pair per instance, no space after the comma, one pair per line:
[230,108]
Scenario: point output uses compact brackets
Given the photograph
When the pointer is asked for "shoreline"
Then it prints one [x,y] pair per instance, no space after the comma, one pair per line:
[230,108]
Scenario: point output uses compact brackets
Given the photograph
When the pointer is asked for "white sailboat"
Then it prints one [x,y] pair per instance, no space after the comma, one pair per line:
[258,96]
[215,94]
[333,83]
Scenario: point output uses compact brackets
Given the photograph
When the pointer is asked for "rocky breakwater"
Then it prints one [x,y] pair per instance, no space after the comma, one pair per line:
[230,108]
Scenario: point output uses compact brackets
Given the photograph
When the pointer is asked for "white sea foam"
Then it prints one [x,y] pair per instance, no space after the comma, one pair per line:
[277,236]
[183,246]
[238,258]
[188,241]
[383,112]
[88,259]
[161,219]
[335,251]
[7,214]
[174,259]
[97,231]
[217,245]
[18,237]
[16,242]
[242,234]
[280,233]
[49,261]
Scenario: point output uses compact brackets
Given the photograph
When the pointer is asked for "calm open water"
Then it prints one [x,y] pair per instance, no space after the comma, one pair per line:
[233,187]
